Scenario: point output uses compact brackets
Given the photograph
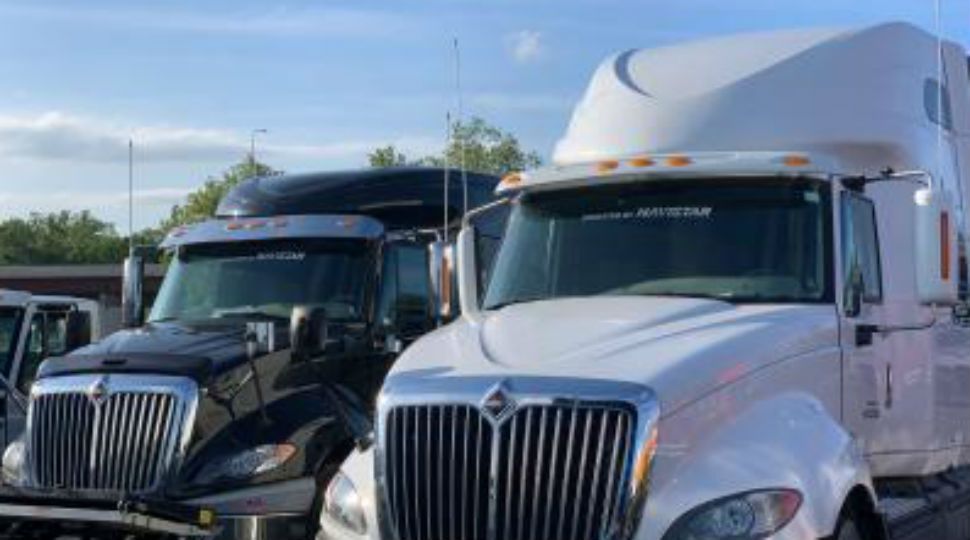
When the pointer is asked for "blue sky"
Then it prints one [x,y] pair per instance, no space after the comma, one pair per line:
[188,80]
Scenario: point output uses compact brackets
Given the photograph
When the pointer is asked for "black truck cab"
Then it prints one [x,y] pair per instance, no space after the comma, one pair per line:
[255,371]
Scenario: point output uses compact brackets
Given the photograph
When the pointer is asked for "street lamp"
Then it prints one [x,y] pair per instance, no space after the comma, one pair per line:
[252,145]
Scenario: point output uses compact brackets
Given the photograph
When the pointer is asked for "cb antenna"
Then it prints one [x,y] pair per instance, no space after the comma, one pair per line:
[461,140]
[941,114]
[447,173]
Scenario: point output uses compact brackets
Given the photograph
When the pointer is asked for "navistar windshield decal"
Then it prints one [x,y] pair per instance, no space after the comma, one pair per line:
[655,213]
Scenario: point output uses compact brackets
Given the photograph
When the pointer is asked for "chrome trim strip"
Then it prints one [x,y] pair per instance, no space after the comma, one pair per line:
[625,502]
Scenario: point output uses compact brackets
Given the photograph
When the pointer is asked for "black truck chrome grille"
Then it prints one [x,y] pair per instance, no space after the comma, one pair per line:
[544,472]
[122,441]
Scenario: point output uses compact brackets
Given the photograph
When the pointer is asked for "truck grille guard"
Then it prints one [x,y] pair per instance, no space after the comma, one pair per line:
[107,434]
[513,459]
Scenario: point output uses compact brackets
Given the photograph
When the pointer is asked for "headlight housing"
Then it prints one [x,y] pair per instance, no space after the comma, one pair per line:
[342,504]
[248,463]
[13,463]
[747,516]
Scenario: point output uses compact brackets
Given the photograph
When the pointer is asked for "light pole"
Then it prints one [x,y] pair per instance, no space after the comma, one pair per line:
[252,146]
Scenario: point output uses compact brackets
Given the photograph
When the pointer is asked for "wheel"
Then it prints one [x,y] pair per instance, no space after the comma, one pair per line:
[848,529]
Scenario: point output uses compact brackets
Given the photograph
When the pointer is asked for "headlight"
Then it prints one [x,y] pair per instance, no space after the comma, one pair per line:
[249,463]
[13,463]
[342,504]
[747,516]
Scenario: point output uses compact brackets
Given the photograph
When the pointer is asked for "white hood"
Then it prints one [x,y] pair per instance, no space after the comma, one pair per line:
[682,348]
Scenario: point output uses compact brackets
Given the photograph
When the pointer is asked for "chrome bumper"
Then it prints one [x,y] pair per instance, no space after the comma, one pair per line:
[92,517]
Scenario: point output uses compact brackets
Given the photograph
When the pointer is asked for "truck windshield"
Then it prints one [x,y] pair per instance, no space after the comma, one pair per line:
[736,240]
[265,279]
[9,331]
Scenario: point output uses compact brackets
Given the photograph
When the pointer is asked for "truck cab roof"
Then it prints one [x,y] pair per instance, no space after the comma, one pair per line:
[399,197]
[10,298]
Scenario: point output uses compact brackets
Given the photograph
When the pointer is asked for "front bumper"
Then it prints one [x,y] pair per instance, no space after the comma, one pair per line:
[59,514]
[278,512]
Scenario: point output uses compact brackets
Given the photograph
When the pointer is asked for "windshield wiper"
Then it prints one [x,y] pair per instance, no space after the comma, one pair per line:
[514,301]
[246,314]
[723,297]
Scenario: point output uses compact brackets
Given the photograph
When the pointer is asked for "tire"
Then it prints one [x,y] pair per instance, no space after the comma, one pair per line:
[848,529]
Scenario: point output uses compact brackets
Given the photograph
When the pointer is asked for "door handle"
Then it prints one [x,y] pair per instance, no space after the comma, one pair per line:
[889,386]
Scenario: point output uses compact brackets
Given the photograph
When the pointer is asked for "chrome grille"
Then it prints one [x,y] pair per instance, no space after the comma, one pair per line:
[122,442]
[546,472]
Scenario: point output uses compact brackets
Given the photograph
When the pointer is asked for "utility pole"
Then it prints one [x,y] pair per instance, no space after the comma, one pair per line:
[131,195]
[252,146]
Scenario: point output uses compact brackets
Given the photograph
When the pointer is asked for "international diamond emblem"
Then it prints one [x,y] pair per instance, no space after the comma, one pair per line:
[498,404]
[98,391]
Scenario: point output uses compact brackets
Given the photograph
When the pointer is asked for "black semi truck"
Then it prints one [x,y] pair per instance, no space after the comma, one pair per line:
[226,412]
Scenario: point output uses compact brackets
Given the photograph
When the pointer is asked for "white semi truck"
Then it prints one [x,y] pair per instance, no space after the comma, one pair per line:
[734,308]
[33,327]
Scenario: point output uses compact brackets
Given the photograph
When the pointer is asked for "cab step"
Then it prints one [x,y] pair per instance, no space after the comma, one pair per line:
[935,508]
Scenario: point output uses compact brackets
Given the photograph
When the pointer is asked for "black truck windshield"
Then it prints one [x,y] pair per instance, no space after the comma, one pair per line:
[737,240]
[265,279]
[9,331]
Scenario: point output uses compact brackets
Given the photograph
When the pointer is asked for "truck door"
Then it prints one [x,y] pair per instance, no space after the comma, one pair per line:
[867,373]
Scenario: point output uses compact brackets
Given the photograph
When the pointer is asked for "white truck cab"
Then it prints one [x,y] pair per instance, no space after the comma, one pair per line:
[734,308]
[33,328]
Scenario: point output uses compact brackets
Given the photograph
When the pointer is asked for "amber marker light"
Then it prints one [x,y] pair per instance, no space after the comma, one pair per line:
[642,161]
[511,180]
[678,161]
[796,161]
[606,166]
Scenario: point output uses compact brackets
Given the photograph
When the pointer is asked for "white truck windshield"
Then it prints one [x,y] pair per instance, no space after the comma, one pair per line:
[265,279]
[736,240]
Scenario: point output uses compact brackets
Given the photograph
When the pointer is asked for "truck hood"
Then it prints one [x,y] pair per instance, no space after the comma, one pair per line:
[199,351]
[682,348]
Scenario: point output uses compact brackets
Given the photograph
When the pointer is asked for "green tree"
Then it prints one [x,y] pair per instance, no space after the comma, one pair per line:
[202,203]
[486,148]
[60,238]
[387,156]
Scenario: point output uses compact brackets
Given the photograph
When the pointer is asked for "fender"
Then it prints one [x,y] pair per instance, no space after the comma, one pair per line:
[786,441]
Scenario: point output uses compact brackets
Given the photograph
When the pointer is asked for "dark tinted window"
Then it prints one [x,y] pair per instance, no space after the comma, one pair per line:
[737,240]
[933,97]
[860,244]
[10,319]
[47,337]
[269,277]
[406,292]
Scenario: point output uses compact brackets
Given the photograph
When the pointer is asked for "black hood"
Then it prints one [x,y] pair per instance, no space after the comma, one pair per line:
[199,351]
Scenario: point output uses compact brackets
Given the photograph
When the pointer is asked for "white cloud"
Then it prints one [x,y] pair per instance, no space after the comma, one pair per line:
[526,46]
[54,136]
[59,137]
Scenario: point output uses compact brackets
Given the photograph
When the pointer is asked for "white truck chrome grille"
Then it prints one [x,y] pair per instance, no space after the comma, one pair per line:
[111,434]
[538,472]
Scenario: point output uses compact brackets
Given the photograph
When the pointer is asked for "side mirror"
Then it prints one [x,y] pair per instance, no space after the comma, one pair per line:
[132,290]
[78,330]
[467,273]
[310,334]
[441,258]
[937,272]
